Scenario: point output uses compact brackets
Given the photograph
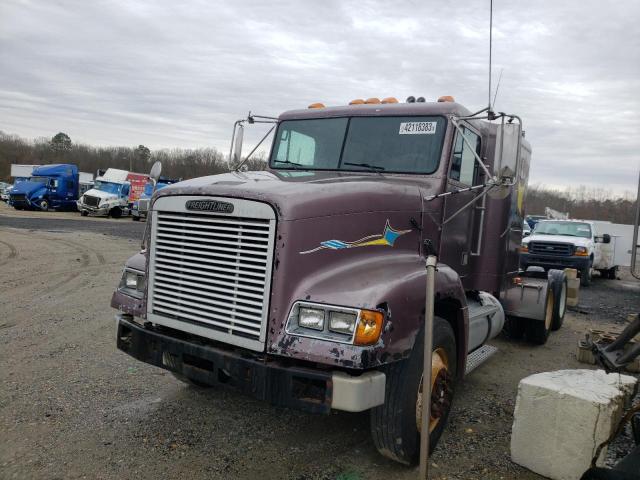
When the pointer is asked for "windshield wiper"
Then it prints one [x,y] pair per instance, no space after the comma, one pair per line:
[366,165]
[293,164]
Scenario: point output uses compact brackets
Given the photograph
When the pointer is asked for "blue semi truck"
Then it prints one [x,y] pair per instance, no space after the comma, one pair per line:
[50,186]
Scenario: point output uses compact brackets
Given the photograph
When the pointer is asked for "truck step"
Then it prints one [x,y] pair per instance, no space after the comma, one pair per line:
[478,357]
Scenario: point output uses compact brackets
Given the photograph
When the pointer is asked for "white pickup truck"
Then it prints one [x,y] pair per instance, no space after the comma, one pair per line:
[569,244]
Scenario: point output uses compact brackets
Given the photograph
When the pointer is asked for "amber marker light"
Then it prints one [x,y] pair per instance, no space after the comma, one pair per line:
[372,100]
[316,105]
[357,101]
[446,98]
[369,327]
[389,100]
[581,252]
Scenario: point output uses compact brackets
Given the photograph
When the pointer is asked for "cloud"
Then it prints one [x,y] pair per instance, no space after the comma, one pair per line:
[178,74]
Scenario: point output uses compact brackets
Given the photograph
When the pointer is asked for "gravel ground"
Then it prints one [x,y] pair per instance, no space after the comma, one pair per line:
[72,406]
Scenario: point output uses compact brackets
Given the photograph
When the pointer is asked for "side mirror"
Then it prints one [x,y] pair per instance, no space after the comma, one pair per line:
[154,174]
[606,238]
[237,144]
[527,233]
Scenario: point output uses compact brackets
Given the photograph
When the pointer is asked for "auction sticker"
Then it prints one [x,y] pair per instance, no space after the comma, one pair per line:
[417,128]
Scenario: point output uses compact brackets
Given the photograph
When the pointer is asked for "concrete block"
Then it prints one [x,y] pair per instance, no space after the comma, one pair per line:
[561,417]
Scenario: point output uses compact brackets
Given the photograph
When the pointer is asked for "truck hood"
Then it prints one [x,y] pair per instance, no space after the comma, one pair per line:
[306,194]
[101,195]
[576,241]
[28,188]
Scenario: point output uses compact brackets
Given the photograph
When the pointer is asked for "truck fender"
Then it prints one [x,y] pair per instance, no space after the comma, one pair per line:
[450,305]
[396,284]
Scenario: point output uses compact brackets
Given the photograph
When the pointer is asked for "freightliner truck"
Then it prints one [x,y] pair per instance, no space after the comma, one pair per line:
[304,285]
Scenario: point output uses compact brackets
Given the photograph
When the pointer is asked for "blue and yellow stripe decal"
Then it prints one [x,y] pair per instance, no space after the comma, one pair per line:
[387,238]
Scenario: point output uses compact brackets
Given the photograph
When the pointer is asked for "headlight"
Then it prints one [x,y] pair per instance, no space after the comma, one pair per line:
[339,324]
[581,251]
[311,318]
[132,283]
[524,248]
[342,322]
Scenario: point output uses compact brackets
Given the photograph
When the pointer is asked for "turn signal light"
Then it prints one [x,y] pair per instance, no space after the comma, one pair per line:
[524,249]
[446,98]
[357,101]
[369,327]
[389,100]
[581,252]
[372,100]
[316,105]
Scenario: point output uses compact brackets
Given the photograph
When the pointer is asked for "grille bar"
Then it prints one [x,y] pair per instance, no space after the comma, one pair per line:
[210,273]
[551,248]
[91,200]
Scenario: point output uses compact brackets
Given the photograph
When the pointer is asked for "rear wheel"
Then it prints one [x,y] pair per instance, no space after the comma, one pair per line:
[395,425]
[538,330]
[115,212]
[136,218]
[515,327]
[558,284]
[612,273]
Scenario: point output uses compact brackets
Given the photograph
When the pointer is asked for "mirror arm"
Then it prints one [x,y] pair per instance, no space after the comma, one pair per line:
[254,148]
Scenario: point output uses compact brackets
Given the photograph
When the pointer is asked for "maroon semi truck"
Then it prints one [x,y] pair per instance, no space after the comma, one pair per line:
[304,285]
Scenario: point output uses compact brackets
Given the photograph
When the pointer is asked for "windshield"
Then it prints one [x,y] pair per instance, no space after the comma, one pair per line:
[44,180]
[571,229]
[107,186]
[391,144]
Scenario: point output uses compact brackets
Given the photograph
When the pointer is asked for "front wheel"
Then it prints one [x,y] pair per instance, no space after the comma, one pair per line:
[44,205]
[395,425]
[84,213]
[115,212]
[585,276]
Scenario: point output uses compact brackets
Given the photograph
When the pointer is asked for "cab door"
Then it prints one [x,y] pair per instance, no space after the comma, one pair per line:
[456,241]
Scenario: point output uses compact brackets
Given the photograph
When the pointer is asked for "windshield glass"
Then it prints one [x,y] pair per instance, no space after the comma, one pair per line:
[571,229]
[390,144]
[107,186]
[44,180]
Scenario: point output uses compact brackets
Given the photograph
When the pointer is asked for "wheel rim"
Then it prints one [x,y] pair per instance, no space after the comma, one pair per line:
[548,314]
[563,299]
[44,205]
[440,390]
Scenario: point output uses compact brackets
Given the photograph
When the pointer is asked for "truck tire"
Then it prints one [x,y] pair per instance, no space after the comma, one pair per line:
[395,424]
[558,283]
[115,212]
[585,276]
[135,218]
[515,327]
[612,273]
[44,205]
[84,213]
[538,330]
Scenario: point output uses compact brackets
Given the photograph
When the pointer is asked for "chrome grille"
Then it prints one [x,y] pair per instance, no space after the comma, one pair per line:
[143,204]
[550,248]
[211,273]
[91,201]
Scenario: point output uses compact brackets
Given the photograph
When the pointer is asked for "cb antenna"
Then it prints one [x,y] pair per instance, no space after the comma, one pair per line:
[490,113]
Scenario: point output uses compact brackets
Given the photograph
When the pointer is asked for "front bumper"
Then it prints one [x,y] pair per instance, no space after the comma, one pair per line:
[549,261]
[263,377]
[93,210]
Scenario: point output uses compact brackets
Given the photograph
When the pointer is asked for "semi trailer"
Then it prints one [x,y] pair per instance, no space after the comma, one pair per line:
[304,285]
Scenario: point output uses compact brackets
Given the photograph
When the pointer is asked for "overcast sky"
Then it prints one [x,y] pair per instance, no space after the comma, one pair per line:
[177,74]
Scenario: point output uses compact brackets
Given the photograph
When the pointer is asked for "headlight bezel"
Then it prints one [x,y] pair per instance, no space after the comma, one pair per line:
[126,287]
[351,336]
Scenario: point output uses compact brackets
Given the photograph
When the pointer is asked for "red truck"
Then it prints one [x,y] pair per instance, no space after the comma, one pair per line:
[304,285]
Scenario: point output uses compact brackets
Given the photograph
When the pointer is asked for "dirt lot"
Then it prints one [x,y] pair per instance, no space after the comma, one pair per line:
[72,406]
